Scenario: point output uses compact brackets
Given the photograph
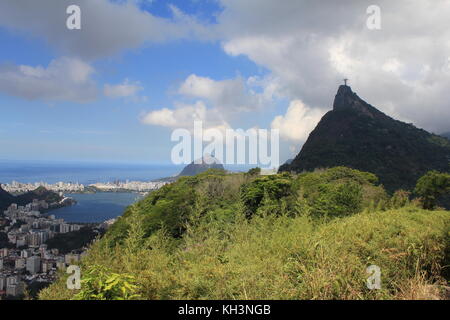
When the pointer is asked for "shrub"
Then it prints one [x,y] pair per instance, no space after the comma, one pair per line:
[272,188]
[337,200]
[99,283]
[431,186]
[399,199]
[254,172]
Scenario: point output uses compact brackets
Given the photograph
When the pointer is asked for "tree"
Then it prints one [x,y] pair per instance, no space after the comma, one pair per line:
[268,188]
[254,172]
[431,186]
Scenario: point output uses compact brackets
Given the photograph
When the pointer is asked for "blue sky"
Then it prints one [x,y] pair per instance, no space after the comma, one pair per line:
[109,129]
[106,128]
[138,69]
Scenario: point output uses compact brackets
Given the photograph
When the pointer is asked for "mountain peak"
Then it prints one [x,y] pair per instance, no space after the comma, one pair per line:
[344,89]
[357,135]
[201,165]
[345,97]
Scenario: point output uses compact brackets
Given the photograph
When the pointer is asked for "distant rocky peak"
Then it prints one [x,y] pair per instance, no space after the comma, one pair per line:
[201,165]
[207,159]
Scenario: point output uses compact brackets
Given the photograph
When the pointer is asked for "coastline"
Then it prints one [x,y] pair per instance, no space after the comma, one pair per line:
[18,188]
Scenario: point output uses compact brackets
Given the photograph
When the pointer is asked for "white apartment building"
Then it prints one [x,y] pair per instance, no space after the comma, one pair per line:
[33,264]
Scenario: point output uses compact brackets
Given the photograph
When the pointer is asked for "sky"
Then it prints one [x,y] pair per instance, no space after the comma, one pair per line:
[117,88]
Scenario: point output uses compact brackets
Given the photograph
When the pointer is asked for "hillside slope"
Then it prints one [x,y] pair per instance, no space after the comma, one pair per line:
[244,236]
[5,200]
[40,193]
[357,135]
[281,258]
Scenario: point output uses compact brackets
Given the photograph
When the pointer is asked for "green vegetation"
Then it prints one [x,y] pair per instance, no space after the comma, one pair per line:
[245,236]
[431,187]
[40,193]
[5,200]
[66,242]
[4,242]
[33,289]
[100,284]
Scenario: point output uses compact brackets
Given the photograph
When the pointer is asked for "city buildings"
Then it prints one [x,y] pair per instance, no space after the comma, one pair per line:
[129,186]
[34,229]
[68,187]
[33,264]
[28,259]
[18,187]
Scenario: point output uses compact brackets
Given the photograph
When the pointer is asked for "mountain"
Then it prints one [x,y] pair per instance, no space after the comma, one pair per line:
[5,200]
[446,134]
[39,193]
[357,135]
[207,162]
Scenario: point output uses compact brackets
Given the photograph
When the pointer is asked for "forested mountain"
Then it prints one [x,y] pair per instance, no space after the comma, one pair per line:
[357,135]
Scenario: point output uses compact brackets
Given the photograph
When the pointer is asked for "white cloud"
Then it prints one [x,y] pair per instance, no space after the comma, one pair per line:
[65,79]
[298,122]
[123,90]
[230,97]
[163,117]
[217,103]
[310,46]
[183,116]
[107,27]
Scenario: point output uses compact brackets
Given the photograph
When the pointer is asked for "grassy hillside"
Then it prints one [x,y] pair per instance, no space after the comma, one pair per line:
[243,236]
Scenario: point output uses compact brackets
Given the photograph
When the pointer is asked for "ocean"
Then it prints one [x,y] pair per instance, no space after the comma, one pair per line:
[90,208]
[85,173]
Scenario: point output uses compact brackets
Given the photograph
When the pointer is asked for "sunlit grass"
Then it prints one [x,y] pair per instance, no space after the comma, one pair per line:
[282,257]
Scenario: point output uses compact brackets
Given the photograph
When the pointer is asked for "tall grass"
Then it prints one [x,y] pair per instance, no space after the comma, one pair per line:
[280,257]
